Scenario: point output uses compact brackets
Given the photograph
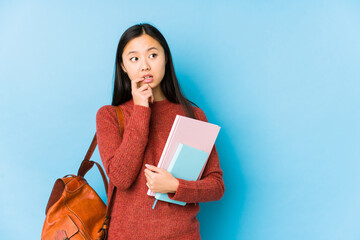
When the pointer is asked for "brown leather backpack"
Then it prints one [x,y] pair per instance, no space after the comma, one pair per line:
[74,210]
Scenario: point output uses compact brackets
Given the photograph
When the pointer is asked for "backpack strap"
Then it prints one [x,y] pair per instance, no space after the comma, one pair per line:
[87,164]
[120,115]
[105,226]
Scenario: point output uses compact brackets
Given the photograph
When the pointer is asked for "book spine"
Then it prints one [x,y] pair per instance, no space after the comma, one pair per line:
[175,157]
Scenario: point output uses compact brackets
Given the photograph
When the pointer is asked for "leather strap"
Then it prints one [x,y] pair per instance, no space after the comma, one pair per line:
[91,148]
[120,117]
[87,164]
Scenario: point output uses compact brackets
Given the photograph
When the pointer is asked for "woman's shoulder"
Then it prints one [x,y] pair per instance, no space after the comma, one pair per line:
[199,113]
[110,110]
[106,110]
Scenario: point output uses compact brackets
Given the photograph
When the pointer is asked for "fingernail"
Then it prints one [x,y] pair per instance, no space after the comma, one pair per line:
[146,165]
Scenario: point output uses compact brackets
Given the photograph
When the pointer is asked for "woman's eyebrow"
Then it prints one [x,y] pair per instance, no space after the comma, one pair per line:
[136,51]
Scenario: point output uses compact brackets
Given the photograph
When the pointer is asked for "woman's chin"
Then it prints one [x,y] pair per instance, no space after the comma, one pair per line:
[151,84]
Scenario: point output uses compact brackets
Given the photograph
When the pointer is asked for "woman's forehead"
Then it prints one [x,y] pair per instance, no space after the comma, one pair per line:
[143,43]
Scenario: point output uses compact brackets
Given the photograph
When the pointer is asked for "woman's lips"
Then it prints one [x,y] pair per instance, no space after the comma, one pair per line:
[148,80]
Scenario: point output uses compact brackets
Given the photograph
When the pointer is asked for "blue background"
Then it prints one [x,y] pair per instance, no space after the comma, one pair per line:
[280,77]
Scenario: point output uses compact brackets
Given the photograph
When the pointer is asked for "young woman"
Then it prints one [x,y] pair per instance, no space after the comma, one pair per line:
[147,90]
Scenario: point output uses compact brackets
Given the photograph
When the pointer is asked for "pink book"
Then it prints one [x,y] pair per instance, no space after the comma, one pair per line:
[189,131]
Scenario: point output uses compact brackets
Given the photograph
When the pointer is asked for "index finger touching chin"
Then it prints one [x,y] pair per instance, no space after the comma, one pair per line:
[135,83]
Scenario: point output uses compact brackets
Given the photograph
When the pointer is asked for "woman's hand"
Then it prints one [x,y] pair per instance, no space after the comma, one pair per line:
[141,95]
[159,180]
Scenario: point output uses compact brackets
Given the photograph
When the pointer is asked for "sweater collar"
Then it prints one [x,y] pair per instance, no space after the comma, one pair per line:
[155,106]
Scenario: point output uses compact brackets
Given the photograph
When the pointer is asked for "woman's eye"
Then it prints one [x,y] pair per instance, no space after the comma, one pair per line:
[153,54]
[131,59]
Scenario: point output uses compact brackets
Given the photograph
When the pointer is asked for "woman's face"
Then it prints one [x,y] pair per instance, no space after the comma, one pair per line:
[144,56]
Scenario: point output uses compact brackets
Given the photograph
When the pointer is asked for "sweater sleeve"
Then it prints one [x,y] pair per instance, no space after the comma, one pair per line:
[122,157]
[210,187]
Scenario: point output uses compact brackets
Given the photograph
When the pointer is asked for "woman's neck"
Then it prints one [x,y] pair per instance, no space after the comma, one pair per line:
[158,94]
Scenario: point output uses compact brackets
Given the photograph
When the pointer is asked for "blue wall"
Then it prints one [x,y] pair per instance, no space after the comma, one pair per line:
[280,77]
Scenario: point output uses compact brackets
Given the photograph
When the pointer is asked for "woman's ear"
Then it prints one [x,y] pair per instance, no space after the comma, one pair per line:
[123,68]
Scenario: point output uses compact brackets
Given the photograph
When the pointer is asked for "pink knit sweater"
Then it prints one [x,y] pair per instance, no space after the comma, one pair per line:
[145,134]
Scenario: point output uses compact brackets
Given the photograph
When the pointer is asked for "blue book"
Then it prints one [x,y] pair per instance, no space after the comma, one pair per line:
[186,164]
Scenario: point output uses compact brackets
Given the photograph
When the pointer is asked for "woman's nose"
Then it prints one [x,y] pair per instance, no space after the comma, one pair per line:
[145,66]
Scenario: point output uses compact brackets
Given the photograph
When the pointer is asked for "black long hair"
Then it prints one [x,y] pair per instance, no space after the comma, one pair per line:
[169,84]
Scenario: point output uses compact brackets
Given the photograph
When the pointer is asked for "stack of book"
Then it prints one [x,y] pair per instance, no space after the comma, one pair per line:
[186,151]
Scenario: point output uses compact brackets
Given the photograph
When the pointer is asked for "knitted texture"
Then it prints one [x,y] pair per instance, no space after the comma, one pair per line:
[124,158]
